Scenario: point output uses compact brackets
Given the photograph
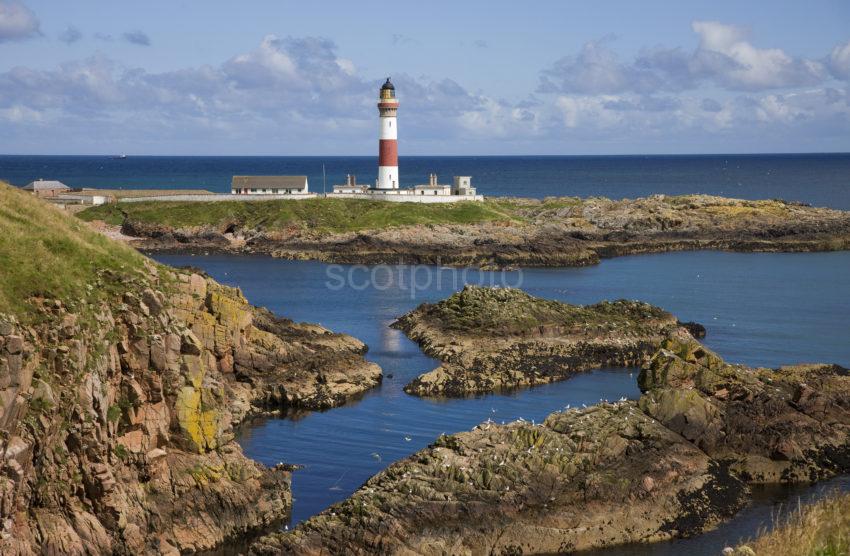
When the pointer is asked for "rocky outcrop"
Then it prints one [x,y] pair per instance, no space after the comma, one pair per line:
[117,417]
[531,232]
[672,464]
[491,339]
[790,424]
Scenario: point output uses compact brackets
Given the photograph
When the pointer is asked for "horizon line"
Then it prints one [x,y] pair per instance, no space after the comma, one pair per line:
[623,155]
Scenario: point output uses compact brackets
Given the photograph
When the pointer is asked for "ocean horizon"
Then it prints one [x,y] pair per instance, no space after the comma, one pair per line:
[820,179]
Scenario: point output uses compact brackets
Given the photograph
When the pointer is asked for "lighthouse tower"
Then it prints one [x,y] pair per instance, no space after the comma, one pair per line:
[388,144]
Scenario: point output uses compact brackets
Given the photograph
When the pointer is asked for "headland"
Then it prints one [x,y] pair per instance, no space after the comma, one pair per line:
[494,233]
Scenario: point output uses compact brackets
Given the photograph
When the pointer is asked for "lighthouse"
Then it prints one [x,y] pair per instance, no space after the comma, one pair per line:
[388,143]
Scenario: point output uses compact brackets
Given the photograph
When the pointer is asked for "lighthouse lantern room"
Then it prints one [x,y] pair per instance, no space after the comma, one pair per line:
[388,144]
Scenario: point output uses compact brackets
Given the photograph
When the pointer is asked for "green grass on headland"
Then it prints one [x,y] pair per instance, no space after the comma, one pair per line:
[321,215]
[44,251]
[350,215]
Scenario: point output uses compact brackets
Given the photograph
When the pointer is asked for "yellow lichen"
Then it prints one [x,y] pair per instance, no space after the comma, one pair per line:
[199,423]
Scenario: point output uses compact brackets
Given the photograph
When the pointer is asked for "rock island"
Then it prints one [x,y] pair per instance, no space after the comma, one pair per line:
[491,339]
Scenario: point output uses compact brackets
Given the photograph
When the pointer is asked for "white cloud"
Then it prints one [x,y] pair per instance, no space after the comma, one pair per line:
[298,95]
[596,69]
[839,61]
[17,21]
[723,57]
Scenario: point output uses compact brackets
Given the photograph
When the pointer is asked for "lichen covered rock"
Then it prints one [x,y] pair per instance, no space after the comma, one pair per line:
[672,464]
[587,478]
[491,339]
[118,418]
[790,424]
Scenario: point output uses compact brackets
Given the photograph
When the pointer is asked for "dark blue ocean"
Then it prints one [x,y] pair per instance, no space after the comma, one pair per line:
[818,179]
[761,309]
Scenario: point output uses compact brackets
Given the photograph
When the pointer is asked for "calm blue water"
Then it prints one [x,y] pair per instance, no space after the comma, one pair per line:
[819,179]
[759,309]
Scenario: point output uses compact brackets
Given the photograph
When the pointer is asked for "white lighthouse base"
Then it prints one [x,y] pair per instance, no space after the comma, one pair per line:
[403,196]
[387,177]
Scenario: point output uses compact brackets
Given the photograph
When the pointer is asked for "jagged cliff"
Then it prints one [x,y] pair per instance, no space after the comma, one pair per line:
[121,382]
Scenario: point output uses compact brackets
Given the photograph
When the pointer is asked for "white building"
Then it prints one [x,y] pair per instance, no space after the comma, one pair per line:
[269,185]
[463,186]
[432,187]
[350,186]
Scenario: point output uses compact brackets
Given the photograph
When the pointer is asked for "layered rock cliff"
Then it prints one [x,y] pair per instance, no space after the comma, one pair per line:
[121,383]
[490,339]
[672,464]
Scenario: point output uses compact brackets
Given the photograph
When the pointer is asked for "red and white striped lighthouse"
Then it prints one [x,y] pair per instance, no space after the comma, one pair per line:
[388,144]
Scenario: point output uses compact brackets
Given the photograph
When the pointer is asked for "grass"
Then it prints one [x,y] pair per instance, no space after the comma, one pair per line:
[818,529]
[45,252]
[352,215]
[128,193]
[321,215]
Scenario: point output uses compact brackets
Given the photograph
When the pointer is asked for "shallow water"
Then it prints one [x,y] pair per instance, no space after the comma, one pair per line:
[759,308]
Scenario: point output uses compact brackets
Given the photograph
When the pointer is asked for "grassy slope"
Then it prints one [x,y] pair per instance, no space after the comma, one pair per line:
[323,215]
[819,529]
[44,251]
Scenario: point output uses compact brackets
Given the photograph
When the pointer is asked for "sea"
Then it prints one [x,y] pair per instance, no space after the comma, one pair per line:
[760,309]
[818,179]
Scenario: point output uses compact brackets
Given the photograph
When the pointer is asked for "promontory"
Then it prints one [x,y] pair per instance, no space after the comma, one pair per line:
[121,383]
[496,232]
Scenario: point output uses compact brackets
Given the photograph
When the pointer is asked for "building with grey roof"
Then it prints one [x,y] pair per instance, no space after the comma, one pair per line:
[269,185]
[46,188]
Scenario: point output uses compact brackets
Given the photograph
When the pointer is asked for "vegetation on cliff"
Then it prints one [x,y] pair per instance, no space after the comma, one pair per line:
[821,528]
[344,215]
[497,232]
[317,215]
[121,383]
[43,252]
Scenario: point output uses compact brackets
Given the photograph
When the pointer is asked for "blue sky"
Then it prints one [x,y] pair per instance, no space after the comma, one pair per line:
[489,77]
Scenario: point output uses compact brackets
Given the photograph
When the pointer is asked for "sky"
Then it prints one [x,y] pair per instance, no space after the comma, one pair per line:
[473,77]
